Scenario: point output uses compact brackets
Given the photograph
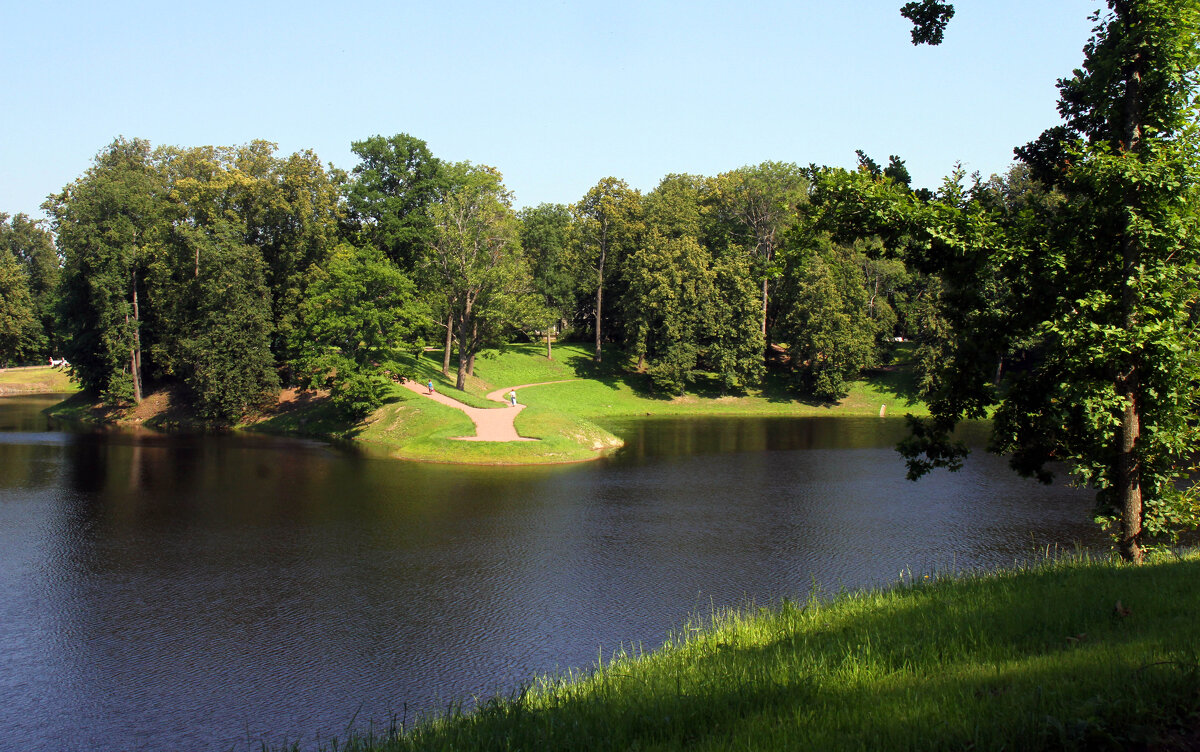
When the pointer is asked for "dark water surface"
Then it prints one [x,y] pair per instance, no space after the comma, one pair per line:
[208,592]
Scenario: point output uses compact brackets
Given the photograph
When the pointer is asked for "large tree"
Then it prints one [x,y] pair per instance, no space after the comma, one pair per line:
[1109,293]
[608,223]
[21,338]
[392,186]
[358,317]
[32,247]
[107,223]
[545,239]
[475,256]
[759,204]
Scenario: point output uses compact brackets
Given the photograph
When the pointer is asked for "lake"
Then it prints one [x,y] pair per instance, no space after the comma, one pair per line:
[209,592]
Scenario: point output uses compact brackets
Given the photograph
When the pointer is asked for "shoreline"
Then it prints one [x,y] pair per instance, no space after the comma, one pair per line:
[564,406]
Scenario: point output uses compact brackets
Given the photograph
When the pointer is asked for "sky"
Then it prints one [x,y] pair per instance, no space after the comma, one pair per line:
[556,95]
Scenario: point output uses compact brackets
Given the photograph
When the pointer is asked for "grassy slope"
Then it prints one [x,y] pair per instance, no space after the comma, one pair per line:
[610,391]
[562,415]
[1035,658]
[42,379]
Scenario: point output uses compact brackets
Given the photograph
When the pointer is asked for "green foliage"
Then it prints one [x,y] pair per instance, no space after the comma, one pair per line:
[669,284]
[226,357]
[21,336]
[32,247]
[929,19]
[393,186]
[828,326]
[475,257]
[1098,284]
[106,222]
[356,322]
[608,224]
[545,238]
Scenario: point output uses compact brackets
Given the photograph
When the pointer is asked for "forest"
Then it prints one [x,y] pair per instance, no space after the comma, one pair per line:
[1058,299]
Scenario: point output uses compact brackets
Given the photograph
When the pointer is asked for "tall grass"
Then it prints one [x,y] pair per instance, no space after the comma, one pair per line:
[1075,653]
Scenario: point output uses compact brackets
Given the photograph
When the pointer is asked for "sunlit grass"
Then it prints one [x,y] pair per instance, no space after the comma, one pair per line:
[1074,654]
[36,380]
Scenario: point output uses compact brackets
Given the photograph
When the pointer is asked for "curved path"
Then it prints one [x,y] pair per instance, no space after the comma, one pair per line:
[491,424]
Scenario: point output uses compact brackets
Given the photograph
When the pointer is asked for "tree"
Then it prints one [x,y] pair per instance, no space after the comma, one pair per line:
[106,223]
[760,203]
[32,247]
[1110,292]
[359,315]
[475,255]
[21,337]
[669,287]
[225,354]
[392,188]
[608,221]
[545,238]
[828,324]
[929,18]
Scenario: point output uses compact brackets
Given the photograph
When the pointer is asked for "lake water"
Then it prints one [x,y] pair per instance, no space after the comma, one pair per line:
[210,592]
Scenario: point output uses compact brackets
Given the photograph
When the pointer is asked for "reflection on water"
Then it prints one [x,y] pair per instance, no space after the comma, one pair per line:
[206,592]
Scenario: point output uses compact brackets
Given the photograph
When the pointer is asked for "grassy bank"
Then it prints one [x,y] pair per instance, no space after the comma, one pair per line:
[1073,654]
[35,380]
[566,417]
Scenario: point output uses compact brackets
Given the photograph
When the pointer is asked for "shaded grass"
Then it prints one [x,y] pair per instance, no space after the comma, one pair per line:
[1039,657]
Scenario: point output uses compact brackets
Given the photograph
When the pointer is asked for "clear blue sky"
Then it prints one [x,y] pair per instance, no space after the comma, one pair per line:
[555,94]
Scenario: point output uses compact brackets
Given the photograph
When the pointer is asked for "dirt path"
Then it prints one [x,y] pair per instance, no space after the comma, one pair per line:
[491,424]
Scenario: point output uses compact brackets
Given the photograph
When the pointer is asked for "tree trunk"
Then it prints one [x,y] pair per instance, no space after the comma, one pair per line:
[135,351]
[599,304]
[549,349]
[1129,482]
[460,381]
[764,316]
[474,348]
[449,344]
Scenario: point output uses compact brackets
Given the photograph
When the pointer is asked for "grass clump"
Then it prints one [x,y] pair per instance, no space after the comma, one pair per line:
[1069,654]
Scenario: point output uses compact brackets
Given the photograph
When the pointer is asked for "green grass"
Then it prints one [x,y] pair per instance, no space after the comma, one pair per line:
[567,417]
[42,379]
[1039,657]
[609,389]
[564,416]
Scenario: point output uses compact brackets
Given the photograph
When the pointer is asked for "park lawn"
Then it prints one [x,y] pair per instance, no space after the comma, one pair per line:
[567,416]
[1075,653]
[410,427]
[41,379]
[607,389]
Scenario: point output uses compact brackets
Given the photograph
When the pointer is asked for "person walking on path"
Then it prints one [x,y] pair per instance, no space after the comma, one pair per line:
[430,387]
[512,397]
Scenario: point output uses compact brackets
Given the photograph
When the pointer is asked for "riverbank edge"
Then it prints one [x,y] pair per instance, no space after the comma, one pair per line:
[405,428]
[1076,652]
[568,404]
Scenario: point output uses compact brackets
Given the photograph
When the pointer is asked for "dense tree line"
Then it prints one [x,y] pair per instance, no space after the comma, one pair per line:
[229,272]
